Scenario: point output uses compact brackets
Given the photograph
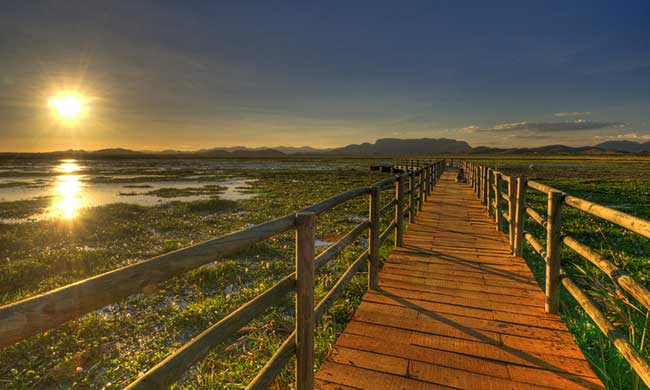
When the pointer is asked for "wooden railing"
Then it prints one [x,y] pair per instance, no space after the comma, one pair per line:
[487,184]
[39,313]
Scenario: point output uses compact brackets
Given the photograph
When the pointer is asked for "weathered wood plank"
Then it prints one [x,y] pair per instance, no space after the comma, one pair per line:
[459,308]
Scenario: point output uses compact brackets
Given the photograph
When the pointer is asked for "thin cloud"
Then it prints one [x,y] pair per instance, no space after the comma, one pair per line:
[546,127]
[470,129]
[575,113]
[629,136]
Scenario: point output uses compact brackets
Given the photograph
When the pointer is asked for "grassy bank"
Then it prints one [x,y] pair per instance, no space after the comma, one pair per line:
[623,184]
[112,346]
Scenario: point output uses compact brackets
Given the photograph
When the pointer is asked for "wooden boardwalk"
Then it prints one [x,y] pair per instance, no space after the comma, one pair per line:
[455,310]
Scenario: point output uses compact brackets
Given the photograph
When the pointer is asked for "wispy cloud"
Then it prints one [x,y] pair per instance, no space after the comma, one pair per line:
[544,127]
[470,129]
[628,136]
[575,113]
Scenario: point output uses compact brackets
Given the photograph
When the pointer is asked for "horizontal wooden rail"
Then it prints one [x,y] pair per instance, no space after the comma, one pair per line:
[340,245]
[280,358]
[386,234]
[557,275]
[620,218]
[618,276]
[168,371]
[173,367]
[340,285]
[35,314]
[540,187]
[32,315]
[264,379]
[536,217]
[636,360]
[385,182]
[504,196]
[389,207]
[505,216]
[537,247]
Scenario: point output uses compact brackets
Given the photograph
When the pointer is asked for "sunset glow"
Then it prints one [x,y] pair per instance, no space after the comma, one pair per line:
[67,106]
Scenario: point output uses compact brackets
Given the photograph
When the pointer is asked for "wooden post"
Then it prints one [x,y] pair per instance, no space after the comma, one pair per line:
[373,239]
[476,180]
[399,211]
[486,186]
[553,242]
[520,216]
[480,183]
[512,195]
[421,180]
[473,170]
[305,238]
[498,218]
[488,205]
[412,197]
[425,182]
[470,179]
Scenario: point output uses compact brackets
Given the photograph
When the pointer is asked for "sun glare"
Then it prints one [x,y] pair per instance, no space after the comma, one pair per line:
[67,106]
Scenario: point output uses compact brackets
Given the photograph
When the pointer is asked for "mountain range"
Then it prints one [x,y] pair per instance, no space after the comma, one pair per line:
[381,147]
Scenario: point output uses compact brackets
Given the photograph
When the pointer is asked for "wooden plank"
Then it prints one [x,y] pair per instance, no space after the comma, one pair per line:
[459,308]
[360,378]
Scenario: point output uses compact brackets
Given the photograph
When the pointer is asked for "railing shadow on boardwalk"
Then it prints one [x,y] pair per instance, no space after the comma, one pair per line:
[486,339]
[483,267]
[416,181]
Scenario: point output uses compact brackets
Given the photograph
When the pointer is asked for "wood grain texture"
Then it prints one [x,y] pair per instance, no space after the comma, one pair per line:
[553,242]
[305,238]
[399,210]
[455,309]
[373,239]
[30,316]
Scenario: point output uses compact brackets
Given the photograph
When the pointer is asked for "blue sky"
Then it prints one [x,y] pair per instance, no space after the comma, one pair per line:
[188,75]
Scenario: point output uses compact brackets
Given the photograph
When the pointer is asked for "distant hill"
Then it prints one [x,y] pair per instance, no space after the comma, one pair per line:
[548,149]
[626,146]
[114,152]
[403,147]
[381,147]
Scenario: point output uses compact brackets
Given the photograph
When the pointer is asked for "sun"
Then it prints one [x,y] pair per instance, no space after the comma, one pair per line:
[68,105]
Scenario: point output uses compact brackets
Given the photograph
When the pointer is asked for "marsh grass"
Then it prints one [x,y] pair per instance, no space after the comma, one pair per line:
[623,185]
[110,347]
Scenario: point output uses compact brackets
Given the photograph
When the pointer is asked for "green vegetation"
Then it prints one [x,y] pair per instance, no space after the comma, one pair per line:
[110,347]
[22,208]
[623,184]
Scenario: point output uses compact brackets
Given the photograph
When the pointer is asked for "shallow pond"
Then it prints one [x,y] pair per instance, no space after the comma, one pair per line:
[70,186]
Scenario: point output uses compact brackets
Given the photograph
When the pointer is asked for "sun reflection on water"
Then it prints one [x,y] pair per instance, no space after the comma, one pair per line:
[67,166]
[66,199]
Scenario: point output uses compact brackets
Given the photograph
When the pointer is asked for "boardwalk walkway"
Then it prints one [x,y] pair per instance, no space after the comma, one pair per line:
[455,310]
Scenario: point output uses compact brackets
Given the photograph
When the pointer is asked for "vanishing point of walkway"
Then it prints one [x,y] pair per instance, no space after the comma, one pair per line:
[455,310]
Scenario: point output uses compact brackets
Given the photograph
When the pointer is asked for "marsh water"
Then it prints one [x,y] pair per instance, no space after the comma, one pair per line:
[67,186]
